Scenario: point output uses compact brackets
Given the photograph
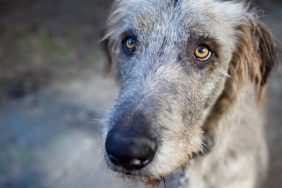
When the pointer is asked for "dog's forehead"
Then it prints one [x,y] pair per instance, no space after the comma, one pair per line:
[150,13]
[146,15]
[205,15]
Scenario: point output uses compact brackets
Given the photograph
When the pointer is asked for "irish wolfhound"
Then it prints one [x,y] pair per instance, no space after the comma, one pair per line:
[192,75]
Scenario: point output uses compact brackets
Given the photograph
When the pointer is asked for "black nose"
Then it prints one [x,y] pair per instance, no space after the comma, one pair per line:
[130,152]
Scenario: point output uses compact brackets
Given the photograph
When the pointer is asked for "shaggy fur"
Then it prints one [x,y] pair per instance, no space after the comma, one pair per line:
[206,116]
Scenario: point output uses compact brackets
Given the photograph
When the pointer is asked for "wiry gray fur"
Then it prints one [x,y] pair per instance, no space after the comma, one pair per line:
[178,93]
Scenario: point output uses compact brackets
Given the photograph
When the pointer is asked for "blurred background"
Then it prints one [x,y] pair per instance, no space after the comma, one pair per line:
[53,95]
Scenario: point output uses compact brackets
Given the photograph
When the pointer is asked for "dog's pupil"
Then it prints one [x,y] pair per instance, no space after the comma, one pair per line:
[202,50]
[130,43]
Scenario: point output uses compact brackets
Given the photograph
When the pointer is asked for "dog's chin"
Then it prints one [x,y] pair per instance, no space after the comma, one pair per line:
[136,176]
[149,181]
[144,175]
[141,176]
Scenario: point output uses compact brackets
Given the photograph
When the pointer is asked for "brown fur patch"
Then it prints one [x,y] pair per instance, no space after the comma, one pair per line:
[255,57]
[152,183]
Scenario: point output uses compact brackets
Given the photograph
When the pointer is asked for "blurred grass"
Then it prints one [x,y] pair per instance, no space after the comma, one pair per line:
[34,59]
[21,154]
[42,41]
[46,43]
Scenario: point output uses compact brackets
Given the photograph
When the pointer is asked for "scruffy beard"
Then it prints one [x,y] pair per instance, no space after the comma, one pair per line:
[172,157]
[151,182]
[147,176]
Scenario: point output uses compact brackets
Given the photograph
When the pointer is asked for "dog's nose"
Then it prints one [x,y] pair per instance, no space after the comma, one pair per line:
[130,152]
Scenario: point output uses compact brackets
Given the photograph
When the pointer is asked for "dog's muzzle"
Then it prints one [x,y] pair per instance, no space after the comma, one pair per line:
[129,145]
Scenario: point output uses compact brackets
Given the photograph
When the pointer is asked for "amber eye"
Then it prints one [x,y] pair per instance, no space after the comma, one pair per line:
[129,45]
[202,53]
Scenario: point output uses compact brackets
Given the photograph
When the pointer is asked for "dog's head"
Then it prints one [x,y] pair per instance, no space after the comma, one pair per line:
[176,61]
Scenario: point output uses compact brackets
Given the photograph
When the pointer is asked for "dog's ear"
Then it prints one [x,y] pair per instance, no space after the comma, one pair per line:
[110,68]
[256,54]
[253,59]
[110,37]
[267,51]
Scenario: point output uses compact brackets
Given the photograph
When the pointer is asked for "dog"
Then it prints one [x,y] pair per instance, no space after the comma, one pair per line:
[192,77]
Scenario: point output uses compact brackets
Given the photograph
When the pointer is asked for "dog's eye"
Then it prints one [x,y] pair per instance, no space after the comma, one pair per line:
[129,45]
[202,53]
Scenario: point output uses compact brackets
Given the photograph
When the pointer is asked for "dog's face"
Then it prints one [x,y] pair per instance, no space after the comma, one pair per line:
[172,59]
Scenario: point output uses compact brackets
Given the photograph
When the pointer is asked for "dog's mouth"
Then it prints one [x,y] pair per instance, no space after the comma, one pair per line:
[138,175]
[145,175]
[149,181]
[142,176]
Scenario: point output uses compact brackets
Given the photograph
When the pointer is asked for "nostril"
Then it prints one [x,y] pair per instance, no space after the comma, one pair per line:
[113,159]
[130,152]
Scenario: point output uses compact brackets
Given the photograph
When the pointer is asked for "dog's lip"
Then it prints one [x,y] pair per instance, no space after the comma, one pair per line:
[129,173]
[124,171]
[120,169]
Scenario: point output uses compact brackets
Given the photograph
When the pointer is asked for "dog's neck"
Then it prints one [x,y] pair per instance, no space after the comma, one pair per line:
[224,127]
[234,102]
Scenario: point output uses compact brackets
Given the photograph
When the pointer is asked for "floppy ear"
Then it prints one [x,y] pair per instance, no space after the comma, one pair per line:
[267,51]
[110,37]
[111,67]
[253,59]
[256,55]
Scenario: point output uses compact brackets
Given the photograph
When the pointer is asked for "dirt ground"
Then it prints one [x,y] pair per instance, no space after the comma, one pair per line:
[53,96]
